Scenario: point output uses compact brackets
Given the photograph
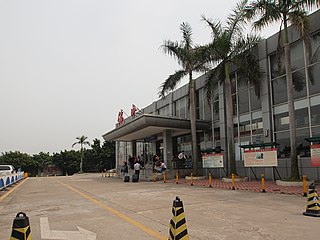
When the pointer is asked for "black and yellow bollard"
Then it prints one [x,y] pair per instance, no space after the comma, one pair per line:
[232,179]
[164,178]
[21,228]
[210,180]
[177,225]
[262,184]
[191,179]
[177,178]
[304,186]
[313,205]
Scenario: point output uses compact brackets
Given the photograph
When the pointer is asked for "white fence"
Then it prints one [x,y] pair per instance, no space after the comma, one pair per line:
[7,180]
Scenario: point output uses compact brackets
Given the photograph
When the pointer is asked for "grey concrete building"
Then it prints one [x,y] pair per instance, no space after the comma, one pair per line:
[163,127]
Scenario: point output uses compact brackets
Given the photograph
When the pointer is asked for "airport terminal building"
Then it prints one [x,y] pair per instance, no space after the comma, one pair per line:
[163,127]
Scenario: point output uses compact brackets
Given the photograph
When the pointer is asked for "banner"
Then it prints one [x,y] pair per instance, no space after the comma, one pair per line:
[315,155]
[212,160]
[261,158]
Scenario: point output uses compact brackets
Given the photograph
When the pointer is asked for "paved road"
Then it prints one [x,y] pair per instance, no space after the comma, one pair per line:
[115,210]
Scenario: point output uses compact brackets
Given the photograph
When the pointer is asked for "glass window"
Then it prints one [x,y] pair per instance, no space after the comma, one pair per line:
[216,134]
[242,84]
[315,115]
[215,110]
[316,131]
[243,102]
[281,121]
[245,129]
[299,82]
[303,147]
[274,65]
[283,140]
[279,89]
[315,46]
[302,118]
[234,101]
[257,139]
[233,83]
[257,126]
[314,78]
[296,55]
[254,100]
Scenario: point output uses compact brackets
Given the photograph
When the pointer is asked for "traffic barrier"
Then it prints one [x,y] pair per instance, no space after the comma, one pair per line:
[210,180]
[21,228]
[177,178]
[262,183]
[7,180]
[313,205]
[177,226]
[304,185]
[232,178]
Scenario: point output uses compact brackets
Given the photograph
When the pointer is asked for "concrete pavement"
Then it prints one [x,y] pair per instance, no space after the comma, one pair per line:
[108,208]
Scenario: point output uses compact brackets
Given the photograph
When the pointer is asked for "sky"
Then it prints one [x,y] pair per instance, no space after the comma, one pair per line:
[68,66]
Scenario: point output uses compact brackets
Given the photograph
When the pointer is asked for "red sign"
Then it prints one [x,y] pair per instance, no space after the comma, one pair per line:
[315,155]
[120,117]
[133,110]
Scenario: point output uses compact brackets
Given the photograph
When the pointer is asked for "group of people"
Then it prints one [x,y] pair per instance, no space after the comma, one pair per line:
[158,165]
[135,164]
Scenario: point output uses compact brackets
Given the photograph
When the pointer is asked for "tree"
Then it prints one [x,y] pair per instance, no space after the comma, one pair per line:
[189,57]
[287,12]
[82,141]
[230,47]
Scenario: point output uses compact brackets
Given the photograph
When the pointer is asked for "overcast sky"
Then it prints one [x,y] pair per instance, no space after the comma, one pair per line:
[68,66]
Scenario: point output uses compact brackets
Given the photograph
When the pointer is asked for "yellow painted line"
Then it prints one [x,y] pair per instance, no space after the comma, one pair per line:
[144,228]
[12,189]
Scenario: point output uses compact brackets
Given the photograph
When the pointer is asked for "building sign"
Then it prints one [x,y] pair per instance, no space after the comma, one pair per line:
[261,158]
[212,160]
[315,155]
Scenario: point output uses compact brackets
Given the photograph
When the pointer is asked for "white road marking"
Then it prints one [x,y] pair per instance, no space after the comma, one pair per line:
[81,234]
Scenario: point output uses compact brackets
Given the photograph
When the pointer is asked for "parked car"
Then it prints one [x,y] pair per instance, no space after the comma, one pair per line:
[7,169]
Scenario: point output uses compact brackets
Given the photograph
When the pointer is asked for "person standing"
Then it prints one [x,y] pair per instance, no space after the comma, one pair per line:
[137,168]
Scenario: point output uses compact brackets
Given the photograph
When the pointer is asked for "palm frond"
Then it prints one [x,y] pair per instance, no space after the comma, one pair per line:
[215,26]
[237,19]
[186,30]
[245,43]
[171,82]
[266,11]
[249,70]
[213,77]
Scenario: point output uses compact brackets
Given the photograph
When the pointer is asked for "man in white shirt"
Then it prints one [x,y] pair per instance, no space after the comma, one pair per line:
[137,168]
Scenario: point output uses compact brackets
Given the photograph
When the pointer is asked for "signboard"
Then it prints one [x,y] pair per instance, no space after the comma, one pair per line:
[315,155]
[261,158]
[212,160]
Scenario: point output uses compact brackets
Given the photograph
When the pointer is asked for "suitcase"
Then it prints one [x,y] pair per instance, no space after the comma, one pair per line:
[126,179]
[135,178]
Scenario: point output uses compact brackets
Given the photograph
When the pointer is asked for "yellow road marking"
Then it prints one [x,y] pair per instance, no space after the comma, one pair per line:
[144,228]
[11,190]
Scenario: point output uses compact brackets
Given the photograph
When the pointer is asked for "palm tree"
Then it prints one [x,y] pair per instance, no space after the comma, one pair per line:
[189,57]
[287,12]
[82,141]
[231,48]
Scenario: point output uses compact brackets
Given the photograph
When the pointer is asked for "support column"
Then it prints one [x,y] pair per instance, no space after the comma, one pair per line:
[134,148]
[167,147]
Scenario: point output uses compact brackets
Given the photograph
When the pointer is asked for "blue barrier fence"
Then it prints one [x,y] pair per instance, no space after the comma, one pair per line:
[7,180]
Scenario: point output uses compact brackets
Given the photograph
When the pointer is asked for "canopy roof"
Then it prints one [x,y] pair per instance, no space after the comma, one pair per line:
[148,125]
[260,145]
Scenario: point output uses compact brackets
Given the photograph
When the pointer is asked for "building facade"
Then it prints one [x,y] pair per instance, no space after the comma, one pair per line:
[163,127]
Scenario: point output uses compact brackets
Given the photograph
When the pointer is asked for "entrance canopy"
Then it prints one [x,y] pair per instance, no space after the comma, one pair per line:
[146,126]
